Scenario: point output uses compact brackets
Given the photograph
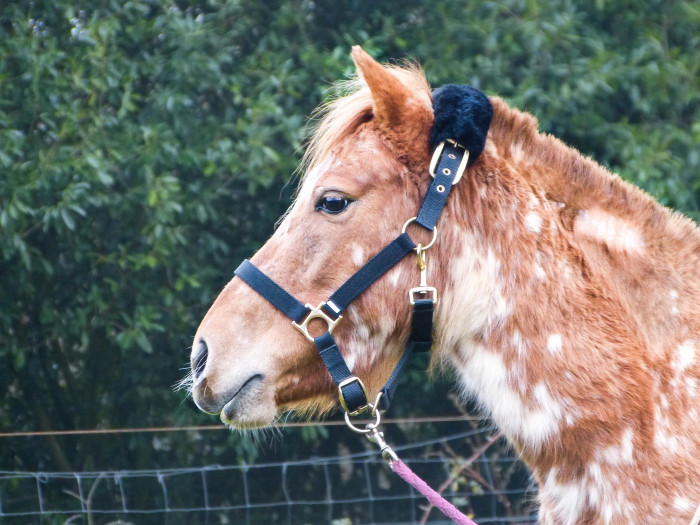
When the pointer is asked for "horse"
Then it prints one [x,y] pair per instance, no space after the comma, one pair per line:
[569,301]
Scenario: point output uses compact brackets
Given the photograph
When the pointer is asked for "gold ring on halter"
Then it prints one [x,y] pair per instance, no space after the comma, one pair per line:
[316,313]
[377,418]
[420,247]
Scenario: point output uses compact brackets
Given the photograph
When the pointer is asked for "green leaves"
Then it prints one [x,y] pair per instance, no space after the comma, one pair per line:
[136,328]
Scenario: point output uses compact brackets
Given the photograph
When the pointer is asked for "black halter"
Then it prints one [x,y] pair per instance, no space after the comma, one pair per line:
[462,119]
[447,166]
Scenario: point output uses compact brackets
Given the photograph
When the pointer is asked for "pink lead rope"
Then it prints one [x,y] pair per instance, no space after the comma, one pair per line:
[436,499]
[372,433]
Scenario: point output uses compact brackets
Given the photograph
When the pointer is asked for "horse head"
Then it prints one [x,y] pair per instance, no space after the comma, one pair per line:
[366,173]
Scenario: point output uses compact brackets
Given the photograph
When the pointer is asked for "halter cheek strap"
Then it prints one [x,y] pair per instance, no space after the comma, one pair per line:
[448,164]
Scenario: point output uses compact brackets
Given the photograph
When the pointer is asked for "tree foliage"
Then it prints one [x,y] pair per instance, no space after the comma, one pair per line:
[147,146]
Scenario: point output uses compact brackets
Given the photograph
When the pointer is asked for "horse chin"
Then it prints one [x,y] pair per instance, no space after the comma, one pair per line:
[252,407]
[245,424]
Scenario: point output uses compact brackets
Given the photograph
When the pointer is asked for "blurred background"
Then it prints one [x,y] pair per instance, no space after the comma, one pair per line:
[147,146]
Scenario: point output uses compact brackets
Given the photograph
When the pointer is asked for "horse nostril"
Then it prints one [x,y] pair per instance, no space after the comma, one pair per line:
[199,359]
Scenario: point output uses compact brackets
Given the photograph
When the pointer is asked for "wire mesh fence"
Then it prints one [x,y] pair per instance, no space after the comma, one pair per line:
[339,490]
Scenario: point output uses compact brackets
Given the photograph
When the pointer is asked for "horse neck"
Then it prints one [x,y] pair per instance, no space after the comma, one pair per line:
[527,345]
[543,319]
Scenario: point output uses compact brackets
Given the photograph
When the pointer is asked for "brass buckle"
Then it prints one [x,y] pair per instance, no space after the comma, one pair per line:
[438,153]
[346,382]
[316,313]
[421,290]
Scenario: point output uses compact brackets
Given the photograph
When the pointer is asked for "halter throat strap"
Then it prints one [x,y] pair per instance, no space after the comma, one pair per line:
[448,164]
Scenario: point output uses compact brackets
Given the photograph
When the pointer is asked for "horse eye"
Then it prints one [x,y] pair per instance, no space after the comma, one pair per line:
[332,204]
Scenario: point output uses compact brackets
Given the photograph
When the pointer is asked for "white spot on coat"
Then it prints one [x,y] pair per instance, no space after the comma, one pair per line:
[533,222]
[358,254]
[554,344]
[350,360]
[540,275]
[516,151]
[616,233]
[607,512]
[518,343]
[394,276]
[472,302]
[598,481]
[486,376]
[622,454]
[546,402]
[566,501]
[682,503]
[685,355]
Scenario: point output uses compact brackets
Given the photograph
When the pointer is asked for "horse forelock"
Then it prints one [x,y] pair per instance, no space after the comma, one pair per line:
[339,117]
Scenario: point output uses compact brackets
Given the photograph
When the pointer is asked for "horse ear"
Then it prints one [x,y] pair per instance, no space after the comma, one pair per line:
[403,116]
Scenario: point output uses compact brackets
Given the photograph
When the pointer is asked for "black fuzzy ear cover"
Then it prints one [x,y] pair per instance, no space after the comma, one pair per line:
[462,113]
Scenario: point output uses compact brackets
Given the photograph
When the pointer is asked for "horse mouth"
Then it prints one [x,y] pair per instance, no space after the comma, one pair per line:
[240,408]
